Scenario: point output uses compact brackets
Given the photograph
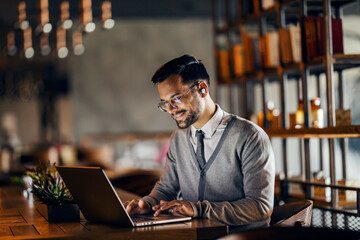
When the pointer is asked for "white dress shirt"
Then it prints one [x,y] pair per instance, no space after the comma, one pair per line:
[213,130]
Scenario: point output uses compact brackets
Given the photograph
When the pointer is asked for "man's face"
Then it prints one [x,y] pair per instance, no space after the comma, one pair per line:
[186,112]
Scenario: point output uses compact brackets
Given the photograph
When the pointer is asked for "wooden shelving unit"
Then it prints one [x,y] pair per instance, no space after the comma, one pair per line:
[231,23]
[306,133]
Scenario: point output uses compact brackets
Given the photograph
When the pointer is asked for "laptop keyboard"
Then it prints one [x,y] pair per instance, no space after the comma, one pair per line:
[141,218]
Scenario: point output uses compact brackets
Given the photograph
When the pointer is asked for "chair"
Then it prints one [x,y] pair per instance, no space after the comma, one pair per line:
[292,214]
[139,182]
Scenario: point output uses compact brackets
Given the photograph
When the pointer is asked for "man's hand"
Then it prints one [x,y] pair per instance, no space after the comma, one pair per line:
[137,207]
[177,206]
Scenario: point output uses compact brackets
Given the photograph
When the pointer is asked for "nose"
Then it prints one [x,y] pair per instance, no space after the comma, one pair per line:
[170,109]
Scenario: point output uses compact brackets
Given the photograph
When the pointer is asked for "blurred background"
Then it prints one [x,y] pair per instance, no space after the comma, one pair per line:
[75,83]
[77,92]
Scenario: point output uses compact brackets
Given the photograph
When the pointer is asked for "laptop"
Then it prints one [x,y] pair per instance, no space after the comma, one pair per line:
[99,202]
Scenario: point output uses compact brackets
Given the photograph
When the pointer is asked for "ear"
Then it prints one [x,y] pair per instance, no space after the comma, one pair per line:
[204,89]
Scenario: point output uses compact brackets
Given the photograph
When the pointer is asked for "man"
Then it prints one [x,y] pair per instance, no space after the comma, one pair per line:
[226,174]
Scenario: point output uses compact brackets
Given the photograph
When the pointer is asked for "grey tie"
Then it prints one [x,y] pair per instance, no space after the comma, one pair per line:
[200,148]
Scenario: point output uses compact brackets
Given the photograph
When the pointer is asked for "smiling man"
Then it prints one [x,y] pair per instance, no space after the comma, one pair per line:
[219,166]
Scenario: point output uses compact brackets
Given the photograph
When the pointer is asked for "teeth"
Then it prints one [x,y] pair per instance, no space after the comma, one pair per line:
[178,115]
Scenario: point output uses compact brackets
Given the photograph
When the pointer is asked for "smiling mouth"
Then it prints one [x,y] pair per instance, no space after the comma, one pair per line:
[178,115]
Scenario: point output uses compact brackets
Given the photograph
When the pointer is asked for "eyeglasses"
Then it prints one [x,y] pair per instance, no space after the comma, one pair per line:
[175,101]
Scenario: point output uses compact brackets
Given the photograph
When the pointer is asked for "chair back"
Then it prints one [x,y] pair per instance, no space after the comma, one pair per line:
[292,214]
[139,182]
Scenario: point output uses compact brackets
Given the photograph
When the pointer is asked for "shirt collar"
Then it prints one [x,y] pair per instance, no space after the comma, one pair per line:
[210,127]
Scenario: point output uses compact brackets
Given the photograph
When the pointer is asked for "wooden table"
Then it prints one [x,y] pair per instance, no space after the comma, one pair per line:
[23,218]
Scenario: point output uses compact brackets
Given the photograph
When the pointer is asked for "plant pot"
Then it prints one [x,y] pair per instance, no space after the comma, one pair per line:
[63,213]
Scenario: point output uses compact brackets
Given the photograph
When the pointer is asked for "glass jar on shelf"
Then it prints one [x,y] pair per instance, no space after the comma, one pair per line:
[316,113]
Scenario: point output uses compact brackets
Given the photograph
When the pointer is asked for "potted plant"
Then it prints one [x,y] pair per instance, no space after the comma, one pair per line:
[48,187]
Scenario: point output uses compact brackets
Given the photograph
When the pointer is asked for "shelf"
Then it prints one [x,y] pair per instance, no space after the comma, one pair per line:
[289,2]
[292,70]
[270,73]
[345,61]
[316,66]
[329,132]
[340,61]
[293,67]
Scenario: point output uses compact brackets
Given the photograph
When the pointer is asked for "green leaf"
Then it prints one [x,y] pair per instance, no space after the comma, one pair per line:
[47,184]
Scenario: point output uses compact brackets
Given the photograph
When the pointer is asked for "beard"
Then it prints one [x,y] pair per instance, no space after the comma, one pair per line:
[191,116]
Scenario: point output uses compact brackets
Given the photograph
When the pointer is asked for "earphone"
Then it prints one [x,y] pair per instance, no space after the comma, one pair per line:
[202,91]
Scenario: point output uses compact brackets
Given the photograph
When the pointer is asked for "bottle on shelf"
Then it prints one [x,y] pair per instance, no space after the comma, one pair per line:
[238,59]
[272,115]
[237,54]
[260,119]
[223,59]
[316,113]
[299,115]
[292,120]
[270,106]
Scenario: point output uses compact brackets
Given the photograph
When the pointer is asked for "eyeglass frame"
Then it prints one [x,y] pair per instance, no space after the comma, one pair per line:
[176,100]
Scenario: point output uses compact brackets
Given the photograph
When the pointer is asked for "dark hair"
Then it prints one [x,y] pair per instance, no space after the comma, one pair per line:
[188,67]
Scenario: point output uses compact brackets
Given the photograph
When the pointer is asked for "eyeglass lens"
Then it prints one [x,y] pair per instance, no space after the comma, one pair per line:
[174,101]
